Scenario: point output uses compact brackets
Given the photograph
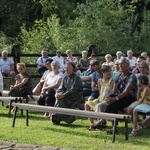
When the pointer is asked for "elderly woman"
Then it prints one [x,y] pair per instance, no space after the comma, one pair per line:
[69,94]
[108,58]
[23,86]
[51,83]
[71,58]
[84,62]
[131,59]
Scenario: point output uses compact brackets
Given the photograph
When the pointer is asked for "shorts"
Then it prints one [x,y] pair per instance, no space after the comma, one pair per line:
[94,95]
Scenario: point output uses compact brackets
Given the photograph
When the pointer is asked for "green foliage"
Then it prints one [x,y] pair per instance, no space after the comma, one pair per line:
[5,42]
[110,25]
[14,13]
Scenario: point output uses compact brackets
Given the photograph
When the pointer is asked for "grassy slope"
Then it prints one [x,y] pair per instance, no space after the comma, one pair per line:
[41,131]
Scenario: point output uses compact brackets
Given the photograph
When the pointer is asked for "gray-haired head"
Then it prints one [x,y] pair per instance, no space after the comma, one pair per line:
[55,63]
[5,51]
[125,59]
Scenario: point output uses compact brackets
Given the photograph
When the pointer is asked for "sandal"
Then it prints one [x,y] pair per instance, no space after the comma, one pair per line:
[91,129]
[99,125]
[133,133]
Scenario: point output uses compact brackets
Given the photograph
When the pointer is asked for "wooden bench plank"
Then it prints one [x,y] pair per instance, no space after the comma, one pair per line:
[108,116]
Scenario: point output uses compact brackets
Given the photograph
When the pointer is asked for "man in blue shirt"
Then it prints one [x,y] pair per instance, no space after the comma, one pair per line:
[95,76]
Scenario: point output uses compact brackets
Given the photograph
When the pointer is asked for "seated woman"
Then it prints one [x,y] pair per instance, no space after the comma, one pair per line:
[23,85]
[70,57]
[38,88]
[105,86]
[84,62]
[108,58]
[69,94]
[144,102]
[51,83]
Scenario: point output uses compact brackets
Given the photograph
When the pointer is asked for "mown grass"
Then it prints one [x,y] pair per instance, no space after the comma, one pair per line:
[41,131]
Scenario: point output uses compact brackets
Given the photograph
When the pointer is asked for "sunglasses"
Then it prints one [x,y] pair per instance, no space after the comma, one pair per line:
[19,68]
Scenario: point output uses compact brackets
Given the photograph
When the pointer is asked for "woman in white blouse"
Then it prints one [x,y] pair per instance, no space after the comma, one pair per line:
[51,83]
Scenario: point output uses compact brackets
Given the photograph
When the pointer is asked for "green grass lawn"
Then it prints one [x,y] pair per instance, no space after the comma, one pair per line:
[41,131]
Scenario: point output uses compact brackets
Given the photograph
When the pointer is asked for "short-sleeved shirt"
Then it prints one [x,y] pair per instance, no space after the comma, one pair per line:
[51,80]
[124,82]
[132,61]
[28,86]
[5,64]
[86,73]
[73,59]
[95,76]
[85,63]
[60,60]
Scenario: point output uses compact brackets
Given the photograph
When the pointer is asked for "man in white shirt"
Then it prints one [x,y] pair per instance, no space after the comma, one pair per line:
[60,59]
[41,66]
[7,65]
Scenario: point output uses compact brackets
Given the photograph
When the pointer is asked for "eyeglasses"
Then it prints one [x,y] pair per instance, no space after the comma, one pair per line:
[68,52]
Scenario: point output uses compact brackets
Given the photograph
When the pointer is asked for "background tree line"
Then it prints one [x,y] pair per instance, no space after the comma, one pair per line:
[53,24]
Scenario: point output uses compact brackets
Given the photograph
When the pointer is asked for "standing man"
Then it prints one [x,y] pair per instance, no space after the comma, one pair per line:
[60,59]
[41,62]
[7,65]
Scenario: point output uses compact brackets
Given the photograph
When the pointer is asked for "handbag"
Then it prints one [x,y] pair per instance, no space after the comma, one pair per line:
[48,92]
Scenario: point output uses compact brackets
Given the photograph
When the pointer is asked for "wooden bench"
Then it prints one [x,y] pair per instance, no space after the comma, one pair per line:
[74,112]
[11,100]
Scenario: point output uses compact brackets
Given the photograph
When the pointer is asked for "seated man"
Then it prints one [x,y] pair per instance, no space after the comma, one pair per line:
[95,76]
[60,59]
[126,88]
[41,62]
[7,66]
[86,77]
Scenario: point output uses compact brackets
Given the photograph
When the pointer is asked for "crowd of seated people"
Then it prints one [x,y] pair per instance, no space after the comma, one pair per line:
[72,88]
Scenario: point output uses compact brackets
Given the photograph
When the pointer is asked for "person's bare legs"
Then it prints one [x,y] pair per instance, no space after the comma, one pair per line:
[87,108]
[37,89]
[145,122]
[135,120]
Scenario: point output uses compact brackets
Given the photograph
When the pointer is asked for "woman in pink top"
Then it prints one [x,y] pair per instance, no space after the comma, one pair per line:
[70,58]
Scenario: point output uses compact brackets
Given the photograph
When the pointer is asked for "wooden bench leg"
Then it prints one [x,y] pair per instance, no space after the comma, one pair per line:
[27,118]
[2,102]
[114,130]
[14,116]
[126,129]
[21,109]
